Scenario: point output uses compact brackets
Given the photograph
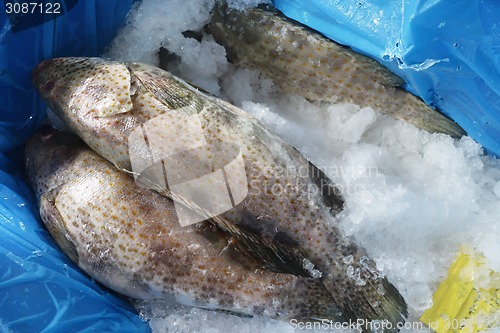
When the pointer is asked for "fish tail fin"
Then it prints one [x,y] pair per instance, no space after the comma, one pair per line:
[374,304]
[392,306]
[310,301]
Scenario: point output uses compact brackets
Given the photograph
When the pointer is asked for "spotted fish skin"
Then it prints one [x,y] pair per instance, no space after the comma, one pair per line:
[129,239]
[280,230]
[303,62]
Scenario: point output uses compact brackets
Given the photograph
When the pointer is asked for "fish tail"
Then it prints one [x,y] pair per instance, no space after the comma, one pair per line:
[376,306]
[310,301]
[389,306]
[414,111]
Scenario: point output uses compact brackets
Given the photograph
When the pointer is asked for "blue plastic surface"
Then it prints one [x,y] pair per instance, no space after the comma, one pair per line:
[40,289]
[447,51]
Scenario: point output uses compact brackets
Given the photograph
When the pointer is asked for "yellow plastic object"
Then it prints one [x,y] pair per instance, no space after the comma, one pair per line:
[468,300]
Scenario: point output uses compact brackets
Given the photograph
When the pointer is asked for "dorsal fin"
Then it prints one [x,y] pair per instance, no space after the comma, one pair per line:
[329,191]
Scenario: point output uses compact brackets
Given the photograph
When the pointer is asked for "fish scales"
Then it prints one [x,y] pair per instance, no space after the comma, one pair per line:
[300,61]
[281,229]
[129,239]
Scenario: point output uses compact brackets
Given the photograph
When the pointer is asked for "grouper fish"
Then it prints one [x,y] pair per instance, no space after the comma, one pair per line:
[170,137]
[129,239]
[300,61]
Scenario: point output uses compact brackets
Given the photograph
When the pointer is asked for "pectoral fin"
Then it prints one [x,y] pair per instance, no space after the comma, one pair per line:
[269,254]
[274,256]
[166,89]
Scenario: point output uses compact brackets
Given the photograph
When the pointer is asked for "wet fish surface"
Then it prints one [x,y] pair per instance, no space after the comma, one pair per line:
[285,219]
[302,62]
[129,239]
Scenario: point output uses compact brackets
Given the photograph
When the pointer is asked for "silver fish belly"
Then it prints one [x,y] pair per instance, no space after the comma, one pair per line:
[303,62]
[285,217]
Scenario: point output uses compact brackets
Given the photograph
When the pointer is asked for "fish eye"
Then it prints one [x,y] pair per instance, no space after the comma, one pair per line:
[49,86]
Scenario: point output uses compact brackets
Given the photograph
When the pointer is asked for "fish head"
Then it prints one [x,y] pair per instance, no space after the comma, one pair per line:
[47,153]
[104,102]
[83,86]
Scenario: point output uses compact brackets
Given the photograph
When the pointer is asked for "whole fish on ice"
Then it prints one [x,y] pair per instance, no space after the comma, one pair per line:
[129,239]
[303,62]
[285,221]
